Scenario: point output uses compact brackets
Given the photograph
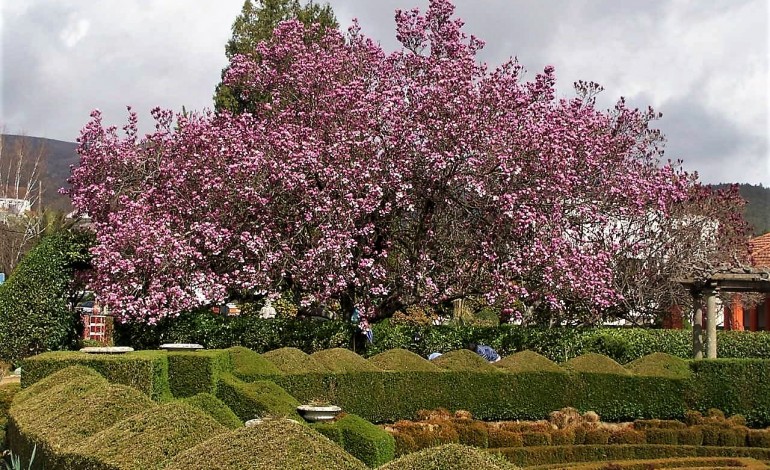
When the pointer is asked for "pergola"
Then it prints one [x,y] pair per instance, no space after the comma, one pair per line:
[736,280]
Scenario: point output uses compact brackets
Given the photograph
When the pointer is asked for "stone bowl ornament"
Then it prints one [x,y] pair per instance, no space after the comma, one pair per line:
[181,346]
[316,413]
[107,350]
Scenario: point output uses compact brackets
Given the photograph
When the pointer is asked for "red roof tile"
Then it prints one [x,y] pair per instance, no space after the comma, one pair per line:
[760,251]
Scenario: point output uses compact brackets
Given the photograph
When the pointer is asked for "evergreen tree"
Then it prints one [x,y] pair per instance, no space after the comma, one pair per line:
[256,23]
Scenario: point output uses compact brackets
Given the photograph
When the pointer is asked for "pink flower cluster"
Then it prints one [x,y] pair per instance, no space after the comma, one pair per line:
[415,176]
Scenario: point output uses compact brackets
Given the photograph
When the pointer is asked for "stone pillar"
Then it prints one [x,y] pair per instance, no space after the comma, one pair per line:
[736,312]
[711,324]
[697,325]
[753,318]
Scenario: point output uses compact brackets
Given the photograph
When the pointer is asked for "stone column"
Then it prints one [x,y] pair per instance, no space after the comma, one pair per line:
[711,324]
[697,325]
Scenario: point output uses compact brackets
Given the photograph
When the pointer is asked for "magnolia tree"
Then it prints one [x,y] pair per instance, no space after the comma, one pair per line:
[379,180]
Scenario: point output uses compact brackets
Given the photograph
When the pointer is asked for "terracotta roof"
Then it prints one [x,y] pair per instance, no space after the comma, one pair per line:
[760,251]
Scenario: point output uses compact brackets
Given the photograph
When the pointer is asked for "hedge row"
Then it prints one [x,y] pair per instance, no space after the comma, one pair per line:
[559,344]
[737,386]
[552,455]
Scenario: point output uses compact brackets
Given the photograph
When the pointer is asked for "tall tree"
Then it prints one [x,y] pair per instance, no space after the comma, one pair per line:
[255,24]
[418,176]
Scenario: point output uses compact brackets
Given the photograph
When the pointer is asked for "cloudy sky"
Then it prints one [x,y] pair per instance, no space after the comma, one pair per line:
[702,63]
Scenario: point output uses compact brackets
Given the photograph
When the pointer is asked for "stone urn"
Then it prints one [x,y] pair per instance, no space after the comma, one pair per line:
[315,413]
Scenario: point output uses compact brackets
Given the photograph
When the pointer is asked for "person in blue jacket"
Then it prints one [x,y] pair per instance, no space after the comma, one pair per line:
[484,351]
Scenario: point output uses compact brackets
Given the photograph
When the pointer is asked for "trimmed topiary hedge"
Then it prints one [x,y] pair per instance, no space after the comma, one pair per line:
[294,361]
[365,441]
[215,408]
[66,408]
[146,440]
[196,372]
[662,365]
[553,455]
[271,444]
[7,392]
[735,386]
[146,371]
[449,457]
[256,399]
[402,360]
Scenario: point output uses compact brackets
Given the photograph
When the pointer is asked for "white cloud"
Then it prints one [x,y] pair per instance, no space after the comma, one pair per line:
[76,29]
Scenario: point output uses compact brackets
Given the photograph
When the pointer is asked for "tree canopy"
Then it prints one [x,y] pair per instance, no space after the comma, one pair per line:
[376,179]
[255,24]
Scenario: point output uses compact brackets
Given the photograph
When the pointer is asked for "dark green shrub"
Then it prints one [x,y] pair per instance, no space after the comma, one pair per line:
[196,372]
[402,360]
[34,314]
[711,435]
[502,438]
[249,365]
[215,408]
[343,360]
[294,361]
[272,444]
[597,437]
[464,360]
[536,438]
[759,438]
[472,433]
[595,363]
[627,436]
[690,436]
[563,437]
[665,436]
[257,399]
[660,364]
[330,430]
[146,371]
[365,441]
[643,424]
[7,392]
[223,331]
[528,361]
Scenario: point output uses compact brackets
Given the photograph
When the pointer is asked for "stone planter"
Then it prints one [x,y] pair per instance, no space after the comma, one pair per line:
[314,413]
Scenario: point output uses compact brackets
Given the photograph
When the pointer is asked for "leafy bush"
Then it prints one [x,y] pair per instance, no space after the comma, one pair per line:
[7,392]
[196,372]
[595,363]
[528,361]
[402,360]
[34,314]
[343,360]
[464,360]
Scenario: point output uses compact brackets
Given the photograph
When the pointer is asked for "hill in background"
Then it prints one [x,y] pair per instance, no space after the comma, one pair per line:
[757,210]
[56,158]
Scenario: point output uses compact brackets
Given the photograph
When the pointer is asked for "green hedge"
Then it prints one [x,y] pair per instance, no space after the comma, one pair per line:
[215,408]
[735,386]
[256,399]
[368,443]
[66,408]
[222,331]
[7,392]
[34,316]
[552,455]
[558,344]
[196,372]
[146,371]
[279,444]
